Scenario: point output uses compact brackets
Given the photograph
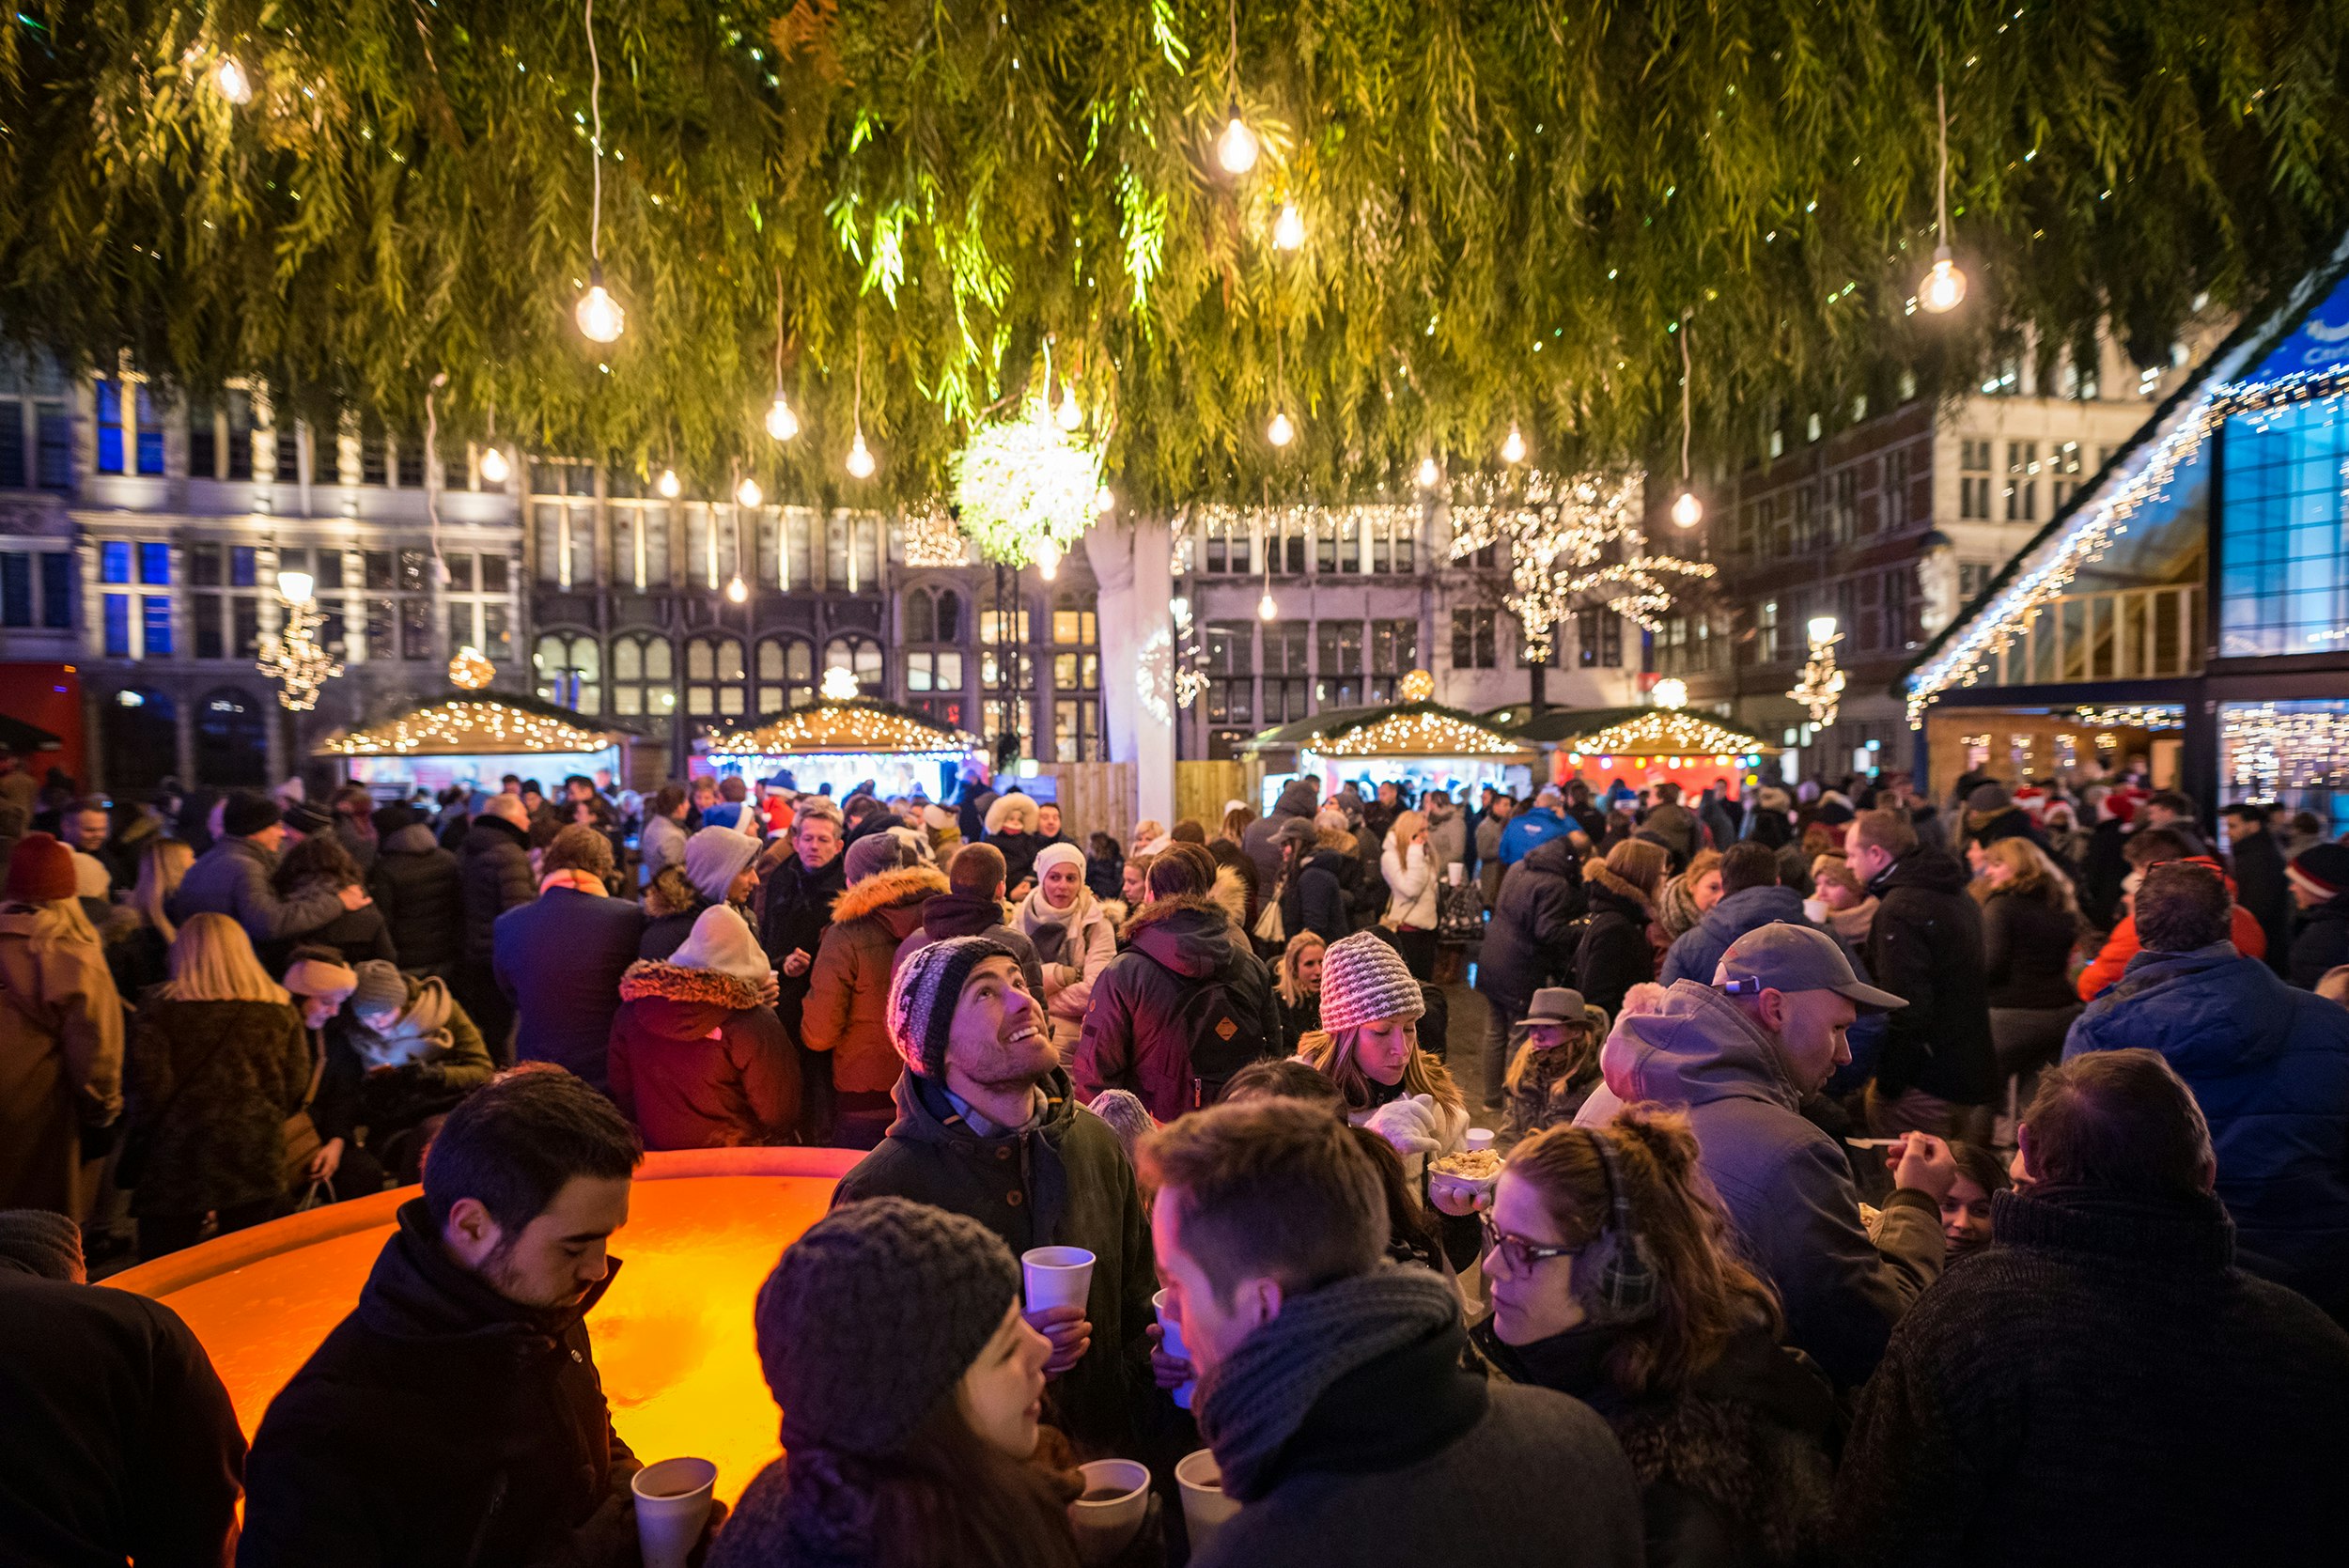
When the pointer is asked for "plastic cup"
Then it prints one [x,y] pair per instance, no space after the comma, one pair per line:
[1456,873]
[672,1509]
[1055,1276]
[1107,1527]
[1204,1505]
[1170,1328]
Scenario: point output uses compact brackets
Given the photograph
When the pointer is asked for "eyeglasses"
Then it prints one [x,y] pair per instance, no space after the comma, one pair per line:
[1515,1250]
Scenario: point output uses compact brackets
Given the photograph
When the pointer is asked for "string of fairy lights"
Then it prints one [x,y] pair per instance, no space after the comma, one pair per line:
[1573,538]
[465,727]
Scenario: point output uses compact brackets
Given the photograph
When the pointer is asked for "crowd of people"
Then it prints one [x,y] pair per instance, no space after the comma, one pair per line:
[1842,1177]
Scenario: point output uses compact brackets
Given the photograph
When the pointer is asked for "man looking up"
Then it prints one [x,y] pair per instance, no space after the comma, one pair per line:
[1331,1386]
[1740,1056]
[455,1417]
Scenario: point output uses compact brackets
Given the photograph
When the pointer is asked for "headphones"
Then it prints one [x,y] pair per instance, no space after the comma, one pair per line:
[1626,1285]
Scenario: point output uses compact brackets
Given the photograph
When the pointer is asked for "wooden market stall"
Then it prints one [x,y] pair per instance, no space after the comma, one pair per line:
[1417,743]
[1639,747]
[845,740]
[473,737]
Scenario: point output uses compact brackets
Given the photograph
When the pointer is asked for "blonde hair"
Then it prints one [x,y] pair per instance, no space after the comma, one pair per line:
[1332,1057]
[1408,825]
[211,959]
[1291,991]
[161,867]
[58,921]
[2036,877]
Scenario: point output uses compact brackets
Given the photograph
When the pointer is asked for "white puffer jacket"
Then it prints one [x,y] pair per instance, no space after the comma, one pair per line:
[1410,887]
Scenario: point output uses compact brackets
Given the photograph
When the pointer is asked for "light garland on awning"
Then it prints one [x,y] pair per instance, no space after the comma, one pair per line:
[2093,528]
[1416,732]
[2140,716]
[1668,731]
[837,729]
[467,727]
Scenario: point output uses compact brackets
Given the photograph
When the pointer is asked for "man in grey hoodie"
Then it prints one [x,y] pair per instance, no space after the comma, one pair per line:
[1740,1056]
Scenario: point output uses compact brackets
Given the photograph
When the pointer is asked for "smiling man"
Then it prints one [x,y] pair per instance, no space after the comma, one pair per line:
[455,1417]
[987,1126]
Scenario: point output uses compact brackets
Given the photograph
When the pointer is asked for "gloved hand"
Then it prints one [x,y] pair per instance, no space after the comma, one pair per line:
[1410,1124]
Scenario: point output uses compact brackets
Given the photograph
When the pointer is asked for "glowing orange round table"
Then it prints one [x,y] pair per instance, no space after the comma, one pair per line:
[672,1335]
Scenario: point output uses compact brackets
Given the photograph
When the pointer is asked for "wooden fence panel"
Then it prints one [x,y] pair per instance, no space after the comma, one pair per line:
[1202,787]
[1094,798]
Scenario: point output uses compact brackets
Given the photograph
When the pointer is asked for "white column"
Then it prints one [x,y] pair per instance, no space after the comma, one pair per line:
[1133,565]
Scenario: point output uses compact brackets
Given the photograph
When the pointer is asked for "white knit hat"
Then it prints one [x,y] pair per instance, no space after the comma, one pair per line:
[1363,979]
[722,940]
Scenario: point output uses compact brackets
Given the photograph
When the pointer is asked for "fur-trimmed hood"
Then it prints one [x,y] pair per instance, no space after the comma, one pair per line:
[909,887]
[1194,937]
[1006,807]
[1230,894]
[678,1004]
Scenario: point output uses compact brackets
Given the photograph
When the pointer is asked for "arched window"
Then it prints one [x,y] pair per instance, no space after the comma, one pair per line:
[141,731]
[786,673]
[644,675]
[949,615]
[570,670]
[231,739]
[713,678]
[921,616]
[861,656]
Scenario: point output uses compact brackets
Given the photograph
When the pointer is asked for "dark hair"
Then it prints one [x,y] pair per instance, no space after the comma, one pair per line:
[1285,1079]
[948,1498]
[2176,802]
[578,847]
[531,786]
[857,807]
[2149,847]
[1187,831]
[2180,906]
[1101,847]
[1748,864]
[511,1144]
[320,858]
[2122,1121]
[1182,870]
[1981,1165]
[668,798]
[1270,1188]
[570,779]
[2246,811]
[977,871]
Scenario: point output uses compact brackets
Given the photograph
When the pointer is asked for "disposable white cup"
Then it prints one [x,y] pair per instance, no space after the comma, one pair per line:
[1103,1529]
[1171,1327]
[1204,1505]
[1478,1138]
[1056,1275]
[1456,873]
[672,1509]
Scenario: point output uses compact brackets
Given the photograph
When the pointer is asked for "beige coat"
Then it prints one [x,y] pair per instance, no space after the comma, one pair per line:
[60,1066]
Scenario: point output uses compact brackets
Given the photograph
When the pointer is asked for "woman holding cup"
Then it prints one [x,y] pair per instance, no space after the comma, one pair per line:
[892,1336]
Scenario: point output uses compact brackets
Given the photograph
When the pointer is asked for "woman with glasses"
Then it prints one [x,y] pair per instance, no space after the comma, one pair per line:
[1612,1279]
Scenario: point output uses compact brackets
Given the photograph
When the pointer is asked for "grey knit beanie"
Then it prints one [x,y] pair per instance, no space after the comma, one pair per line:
[382,988]
[1363,979]
[922,998]
[42,1242]
[873,1316]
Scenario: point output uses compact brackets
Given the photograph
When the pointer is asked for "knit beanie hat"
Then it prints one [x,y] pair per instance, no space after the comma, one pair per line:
[714,857]
[246,814]
[379,988]
[874,854]
[1363,979]
[2321,870]
[1058,853]
[42,1242]
[41,871]
[304,818]
[721,941]
[873,1316]
[922,998]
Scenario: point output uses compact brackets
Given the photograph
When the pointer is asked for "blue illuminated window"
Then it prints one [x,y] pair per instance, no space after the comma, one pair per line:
[117,626]
[155,613]
[114,561]
[2283,578]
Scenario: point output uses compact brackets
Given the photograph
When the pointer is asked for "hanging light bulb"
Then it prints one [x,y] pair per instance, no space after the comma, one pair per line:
[747,493]
[495,470]
[234,84]
[1236,149]
[1513,449]
[782,422]
[1068,415]
[1944,287]
[738,590]
[668,486]
[1104,502]
[1048,558]
[1288,229]
[1266,608]
[1281,431]
[601,317]
[1429,474]
[1687,511]
[861,464]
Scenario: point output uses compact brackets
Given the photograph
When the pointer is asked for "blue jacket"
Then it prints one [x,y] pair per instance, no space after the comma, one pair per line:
[559,958]
[1528,829]
[2270,1067]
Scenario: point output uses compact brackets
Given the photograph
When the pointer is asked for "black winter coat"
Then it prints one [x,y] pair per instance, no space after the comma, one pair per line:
[1315,898]
[494,876]
[2260,887]
[2103,870]
[1066,1183]
[796,908]
[2321,943]
[559,961]
[1531,938]
[2027,951]
[1926,946]
[441,1426]
[420,890]
[1613,955]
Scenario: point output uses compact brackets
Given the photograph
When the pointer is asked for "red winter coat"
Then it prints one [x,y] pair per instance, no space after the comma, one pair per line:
[698,1062]
[2121,945]
[1134,1037]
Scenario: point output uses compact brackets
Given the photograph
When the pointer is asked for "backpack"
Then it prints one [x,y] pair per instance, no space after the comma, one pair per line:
[1224,1037]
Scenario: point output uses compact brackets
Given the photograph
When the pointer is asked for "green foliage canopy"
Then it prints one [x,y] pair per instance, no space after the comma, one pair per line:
[1509,205]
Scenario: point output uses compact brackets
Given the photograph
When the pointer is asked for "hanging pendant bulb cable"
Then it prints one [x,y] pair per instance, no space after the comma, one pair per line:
[1686,510]
[594,112]
[1944,286]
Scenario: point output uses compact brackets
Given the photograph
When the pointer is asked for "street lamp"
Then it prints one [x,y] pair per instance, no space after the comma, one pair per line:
[291,655]
[1821,689]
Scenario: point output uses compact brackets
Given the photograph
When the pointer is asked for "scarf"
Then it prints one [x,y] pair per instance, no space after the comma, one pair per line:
[1255,1402]
[419,1034]
[578,881]
[1035,917]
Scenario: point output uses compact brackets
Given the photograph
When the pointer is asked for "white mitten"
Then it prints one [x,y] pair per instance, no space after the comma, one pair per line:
[1409,1123]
